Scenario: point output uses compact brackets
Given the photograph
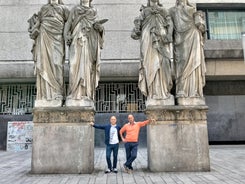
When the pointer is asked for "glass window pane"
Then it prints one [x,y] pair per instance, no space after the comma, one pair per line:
[224,25]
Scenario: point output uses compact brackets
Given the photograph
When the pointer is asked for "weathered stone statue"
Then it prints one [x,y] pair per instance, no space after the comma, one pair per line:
[154,29]
[46,29]
[189,59]
[84,35]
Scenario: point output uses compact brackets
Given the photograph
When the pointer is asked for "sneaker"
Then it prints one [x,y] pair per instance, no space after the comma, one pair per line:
[115,170]
[126,168]
[130,171]
[107,171]
[131,168]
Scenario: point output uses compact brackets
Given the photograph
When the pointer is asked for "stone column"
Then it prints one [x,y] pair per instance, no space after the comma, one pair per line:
[63,141]
[178,141]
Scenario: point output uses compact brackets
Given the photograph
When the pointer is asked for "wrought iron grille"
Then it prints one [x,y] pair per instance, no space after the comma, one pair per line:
[18,99]
[119,97]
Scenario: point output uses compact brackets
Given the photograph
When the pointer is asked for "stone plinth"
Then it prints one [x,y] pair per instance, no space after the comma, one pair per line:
[63,141]
[178,141]
[165,102]
[48,103]
[84,102]
[198,101]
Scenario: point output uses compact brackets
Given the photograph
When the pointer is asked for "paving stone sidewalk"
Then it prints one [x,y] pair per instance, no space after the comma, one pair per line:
[227,166]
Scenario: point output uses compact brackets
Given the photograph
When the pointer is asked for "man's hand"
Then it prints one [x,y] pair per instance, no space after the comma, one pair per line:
[152,121]
[91,123]
[123,140]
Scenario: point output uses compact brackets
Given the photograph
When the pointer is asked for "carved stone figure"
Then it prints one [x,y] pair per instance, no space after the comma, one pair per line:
[84,35]
[154,29]
[189,58]
[46,29]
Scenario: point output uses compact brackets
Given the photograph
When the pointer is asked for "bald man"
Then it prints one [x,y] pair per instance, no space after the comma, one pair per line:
[112,139]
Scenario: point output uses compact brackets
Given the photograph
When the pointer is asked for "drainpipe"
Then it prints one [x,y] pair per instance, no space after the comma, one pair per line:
[243,44]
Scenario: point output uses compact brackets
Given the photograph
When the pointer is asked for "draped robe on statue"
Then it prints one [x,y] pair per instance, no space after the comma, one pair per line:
[49,52]
[84,53]
[155,80]
[188,53]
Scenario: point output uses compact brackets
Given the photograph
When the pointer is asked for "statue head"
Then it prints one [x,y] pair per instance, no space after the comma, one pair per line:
[153,1]
[86,2]
[184,3]
[55,2]
[181,2]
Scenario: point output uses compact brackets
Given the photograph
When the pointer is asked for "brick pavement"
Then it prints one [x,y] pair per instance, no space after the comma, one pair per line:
[227,166]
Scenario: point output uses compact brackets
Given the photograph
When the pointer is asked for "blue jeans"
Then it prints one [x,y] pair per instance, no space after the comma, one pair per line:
[109,149]
[131,153]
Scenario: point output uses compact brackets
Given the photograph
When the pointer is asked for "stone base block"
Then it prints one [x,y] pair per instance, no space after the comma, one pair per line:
[63,141]
[84,102]
[48,103]
[162,102]
[193,101]
[178,141]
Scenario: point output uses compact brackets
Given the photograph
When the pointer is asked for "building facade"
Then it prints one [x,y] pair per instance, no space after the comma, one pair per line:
[118,93]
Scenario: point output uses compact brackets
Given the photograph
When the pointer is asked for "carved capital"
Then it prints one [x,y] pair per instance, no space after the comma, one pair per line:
[177,113]
[63,115]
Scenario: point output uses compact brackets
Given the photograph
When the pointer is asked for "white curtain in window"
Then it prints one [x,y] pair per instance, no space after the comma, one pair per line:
[225,25]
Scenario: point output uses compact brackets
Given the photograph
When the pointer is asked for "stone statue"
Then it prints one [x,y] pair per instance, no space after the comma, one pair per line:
[46,29]
[84,35]
[189,29]
[154,29]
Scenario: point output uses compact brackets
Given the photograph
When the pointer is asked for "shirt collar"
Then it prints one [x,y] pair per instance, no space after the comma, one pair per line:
[133,123]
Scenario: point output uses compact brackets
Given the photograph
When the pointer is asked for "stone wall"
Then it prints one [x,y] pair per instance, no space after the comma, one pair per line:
[16,44]
[226,118]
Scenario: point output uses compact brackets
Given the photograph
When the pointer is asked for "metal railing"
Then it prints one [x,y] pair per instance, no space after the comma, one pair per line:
[18,99]
[119,97]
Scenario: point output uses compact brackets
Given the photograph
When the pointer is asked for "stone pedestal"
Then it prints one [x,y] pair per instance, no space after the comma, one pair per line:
[178,141]
[192,101]
[165,102]
[48,103]
[63,141]
[84,102]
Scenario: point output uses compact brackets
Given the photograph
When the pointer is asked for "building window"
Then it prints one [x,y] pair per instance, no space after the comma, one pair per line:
[223,23]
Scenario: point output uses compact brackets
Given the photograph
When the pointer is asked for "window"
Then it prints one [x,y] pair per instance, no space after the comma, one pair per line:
[223,23]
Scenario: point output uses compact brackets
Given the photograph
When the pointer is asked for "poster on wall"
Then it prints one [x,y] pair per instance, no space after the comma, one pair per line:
[19,136]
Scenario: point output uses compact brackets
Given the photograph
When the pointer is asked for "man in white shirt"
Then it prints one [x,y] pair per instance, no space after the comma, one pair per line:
[112,139]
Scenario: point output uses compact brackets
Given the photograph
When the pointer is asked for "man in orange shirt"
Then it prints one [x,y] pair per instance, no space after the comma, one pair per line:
[131,129]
